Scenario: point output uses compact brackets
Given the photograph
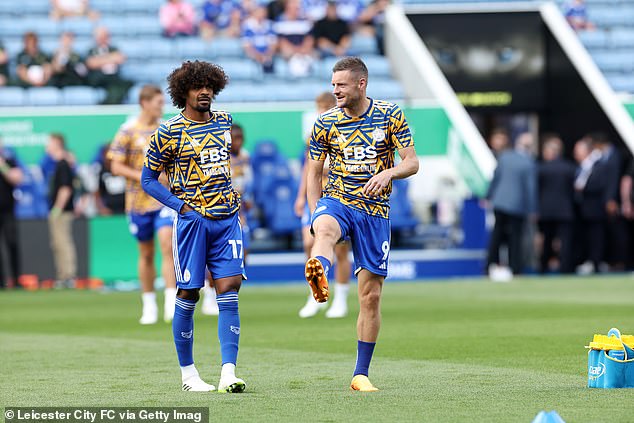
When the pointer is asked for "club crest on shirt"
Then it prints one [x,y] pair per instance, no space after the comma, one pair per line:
[378,134]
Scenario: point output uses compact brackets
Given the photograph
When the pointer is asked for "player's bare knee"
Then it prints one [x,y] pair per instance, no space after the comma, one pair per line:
[370,300]
[327,233]
[188,294]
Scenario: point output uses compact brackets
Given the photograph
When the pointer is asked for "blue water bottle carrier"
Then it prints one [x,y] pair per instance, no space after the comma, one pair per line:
[611,361]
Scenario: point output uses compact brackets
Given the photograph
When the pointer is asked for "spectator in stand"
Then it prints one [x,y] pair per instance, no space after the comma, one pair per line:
[259,39]
[513,196]
[274,9]
[34,66]
[223,16]
[332,34]
[177,18]
[314,9]
[4,66]
[68,66]
[103,62]
[372,20]
[110,194]
[295,41]
[590,194]
[10,177]
[576,14]
[556,178]
[350,10]
[61,214]
[61,9]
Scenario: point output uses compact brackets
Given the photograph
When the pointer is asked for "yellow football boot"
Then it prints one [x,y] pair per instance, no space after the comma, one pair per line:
[362,383]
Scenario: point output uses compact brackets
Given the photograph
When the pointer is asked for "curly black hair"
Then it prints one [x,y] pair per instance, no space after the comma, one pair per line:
[195,75]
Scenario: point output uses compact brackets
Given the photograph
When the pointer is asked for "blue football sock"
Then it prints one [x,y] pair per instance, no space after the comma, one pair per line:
[364,356]
[228,326]
[183,330]
[326,263]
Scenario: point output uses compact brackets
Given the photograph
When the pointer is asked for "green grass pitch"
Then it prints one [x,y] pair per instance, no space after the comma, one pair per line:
[464,351]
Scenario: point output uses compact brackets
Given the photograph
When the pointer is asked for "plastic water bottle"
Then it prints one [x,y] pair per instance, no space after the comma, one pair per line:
[617,354]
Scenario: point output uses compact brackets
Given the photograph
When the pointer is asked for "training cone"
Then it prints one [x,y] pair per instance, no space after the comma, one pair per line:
[548,417]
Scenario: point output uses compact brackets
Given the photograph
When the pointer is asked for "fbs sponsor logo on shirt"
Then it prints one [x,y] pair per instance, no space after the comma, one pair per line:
[214,161]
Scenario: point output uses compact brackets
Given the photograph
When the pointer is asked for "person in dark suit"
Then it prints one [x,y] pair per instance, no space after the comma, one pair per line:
[513,196]
[590,185]
[615,228]
[556,204]
[10,176]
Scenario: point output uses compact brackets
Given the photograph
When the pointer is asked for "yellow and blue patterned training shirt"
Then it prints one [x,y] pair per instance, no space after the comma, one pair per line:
[129,147]
[196,159]
[358,149]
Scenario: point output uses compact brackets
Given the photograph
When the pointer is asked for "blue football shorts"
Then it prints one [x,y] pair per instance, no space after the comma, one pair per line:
[369,235]
[143,226]
[199,243]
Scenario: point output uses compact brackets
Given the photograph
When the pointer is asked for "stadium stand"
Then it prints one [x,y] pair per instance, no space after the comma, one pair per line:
[135,30]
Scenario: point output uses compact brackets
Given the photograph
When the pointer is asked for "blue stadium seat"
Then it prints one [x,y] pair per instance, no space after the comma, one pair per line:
[385,89]
[150,7]
[621,37]
[363,45]
[609,61]
[43,96]
[136,50]
[117,27]
[243,91]
[141,24]
[34,7]
[10,26]
[161,48]
[80,96]
[621,82]
[281,217]
[594,39]
[378,66]
[107,6]
[400,207]
[227,47]
[41,25]
[192,48]
[240,69]
[79,26]
[12,96]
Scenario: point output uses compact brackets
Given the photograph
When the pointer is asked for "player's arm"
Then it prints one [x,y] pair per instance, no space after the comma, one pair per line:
[401,139]
[314,172]
[300,201]
[407,167]
[317,152]
[158,155]
[118,153]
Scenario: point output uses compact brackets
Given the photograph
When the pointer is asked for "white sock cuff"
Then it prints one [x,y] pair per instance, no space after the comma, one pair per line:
[228,369]
[342,288]
[149,298]
[189,371]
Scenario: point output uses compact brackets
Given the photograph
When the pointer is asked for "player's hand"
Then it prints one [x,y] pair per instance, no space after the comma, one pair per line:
[300,203]
[378,183]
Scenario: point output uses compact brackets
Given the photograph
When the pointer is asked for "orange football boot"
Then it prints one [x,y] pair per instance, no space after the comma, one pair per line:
[316,278]
[362,383]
